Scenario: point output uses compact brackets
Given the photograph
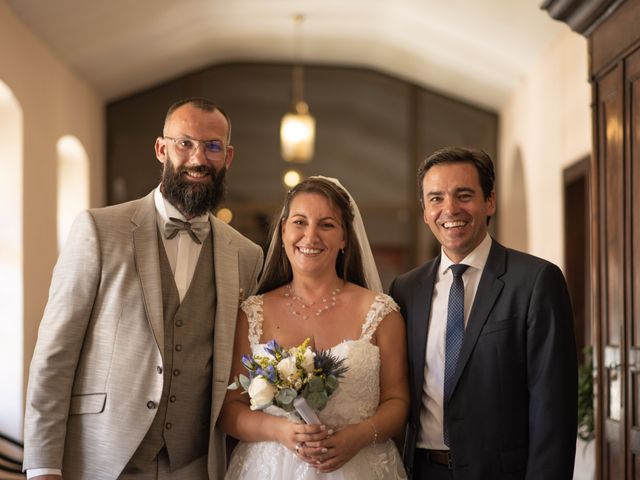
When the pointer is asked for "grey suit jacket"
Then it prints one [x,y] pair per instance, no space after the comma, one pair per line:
[512,413]
[101,340]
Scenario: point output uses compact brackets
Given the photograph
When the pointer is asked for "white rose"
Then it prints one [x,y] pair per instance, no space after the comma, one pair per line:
[261,393]
[287,368]
[307,361]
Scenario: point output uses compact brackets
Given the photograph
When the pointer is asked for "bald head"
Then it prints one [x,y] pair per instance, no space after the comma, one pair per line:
[199,103]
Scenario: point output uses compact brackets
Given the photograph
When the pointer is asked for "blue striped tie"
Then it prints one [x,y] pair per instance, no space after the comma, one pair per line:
[455,335]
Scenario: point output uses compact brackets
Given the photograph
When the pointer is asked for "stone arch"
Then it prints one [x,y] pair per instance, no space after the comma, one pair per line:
[73,183]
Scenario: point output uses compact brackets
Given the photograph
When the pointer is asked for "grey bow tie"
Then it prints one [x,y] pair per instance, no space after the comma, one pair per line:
[197,230]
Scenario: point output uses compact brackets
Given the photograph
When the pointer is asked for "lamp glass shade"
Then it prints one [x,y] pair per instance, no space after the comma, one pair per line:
[297,137]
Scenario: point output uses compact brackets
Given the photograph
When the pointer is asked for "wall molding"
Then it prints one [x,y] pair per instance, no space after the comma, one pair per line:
[582,16]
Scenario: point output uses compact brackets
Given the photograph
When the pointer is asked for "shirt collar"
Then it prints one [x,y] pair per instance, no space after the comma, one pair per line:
[476,259]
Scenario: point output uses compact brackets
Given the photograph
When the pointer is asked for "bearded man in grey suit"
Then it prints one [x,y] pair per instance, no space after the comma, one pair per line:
[134,349]
[492,356]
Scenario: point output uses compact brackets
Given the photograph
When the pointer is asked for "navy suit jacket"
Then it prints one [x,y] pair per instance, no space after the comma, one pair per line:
[513,410]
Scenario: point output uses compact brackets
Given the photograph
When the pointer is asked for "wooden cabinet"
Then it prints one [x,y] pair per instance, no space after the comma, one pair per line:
[615,65]
[616,283]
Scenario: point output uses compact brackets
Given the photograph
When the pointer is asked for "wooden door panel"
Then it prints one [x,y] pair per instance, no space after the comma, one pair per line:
[614,51]
[610,110]
[632,296]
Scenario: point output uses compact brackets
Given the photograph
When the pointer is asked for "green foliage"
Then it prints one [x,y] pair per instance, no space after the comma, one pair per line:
[241,381]
[316,384]
[331,383]
[317,400]
[285,397]
[586,429]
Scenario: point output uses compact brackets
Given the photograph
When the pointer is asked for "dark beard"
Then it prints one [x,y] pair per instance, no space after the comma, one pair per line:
[191,198]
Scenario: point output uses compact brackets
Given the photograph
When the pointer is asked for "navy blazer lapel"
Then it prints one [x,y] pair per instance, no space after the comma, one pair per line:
[488,292]
[418,314]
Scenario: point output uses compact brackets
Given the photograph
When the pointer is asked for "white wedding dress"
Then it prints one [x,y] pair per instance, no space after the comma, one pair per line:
[356,399]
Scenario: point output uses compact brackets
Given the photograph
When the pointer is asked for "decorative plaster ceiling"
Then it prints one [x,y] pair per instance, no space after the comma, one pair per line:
[477,50]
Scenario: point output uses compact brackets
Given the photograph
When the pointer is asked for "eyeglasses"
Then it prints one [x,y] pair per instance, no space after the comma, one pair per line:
[213,149]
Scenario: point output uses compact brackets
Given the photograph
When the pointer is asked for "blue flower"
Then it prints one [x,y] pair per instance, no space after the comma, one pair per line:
[271,373]
[249,363]
[272,348]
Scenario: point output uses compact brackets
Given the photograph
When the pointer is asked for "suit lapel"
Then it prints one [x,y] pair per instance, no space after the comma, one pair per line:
[227,293]
[488,292]
[419,314]
[145,246]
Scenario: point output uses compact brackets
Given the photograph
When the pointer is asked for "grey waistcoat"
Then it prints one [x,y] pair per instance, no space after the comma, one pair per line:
[183,419]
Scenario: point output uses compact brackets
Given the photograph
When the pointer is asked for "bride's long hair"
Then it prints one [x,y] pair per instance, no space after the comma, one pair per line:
[349,267]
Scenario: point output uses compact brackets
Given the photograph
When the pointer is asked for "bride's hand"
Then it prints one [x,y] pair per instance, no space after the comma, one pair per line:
[295,437]
[334,451]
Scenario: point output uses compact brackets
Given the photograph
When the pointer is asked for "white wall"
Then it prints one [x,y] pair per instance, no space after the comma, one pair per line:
[54,102]
[548,120]
[548,123]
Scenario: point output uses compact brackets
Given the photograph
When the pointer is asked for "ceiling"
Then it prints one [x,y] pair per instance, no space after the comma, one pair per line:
[476,50]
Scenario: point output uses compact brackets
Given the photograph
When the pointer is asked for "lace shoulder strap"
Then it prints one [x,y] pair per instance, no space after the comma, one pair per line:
[252,307]
[382,305]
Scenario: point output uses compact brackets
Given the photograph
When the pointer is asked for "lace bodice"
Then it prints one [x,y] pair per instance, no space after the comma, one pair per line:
[356,398]
[358,394]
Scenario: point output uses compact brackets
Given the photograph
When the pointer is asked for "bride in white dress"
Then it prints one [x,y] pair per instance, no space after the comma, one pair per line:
[320,282]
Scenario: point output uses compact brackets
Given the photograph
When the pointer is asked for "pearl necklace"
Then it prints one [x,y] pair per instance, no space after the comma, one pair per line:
[326,303]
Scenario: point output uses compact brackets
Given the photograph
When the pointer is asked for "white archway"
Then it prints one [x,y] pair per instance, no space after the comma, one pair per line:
[73,183]
[11,263]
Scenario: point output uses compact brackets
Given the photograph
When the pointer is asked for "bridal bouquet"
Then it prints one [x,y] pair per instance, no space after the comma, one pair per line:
[283,377]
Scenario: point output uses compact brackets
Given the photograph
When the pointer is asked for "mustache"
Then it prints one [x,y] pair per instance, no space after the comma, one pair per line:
[196,169]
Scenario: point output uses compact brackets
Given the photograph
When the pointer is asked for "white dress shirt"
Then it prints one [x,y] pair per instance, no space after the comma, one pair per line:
[432,412]
[182,253]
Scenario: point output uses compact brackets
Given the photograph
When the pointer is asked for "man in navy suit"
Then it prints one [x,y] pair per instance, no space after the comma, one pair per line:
[510,407]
